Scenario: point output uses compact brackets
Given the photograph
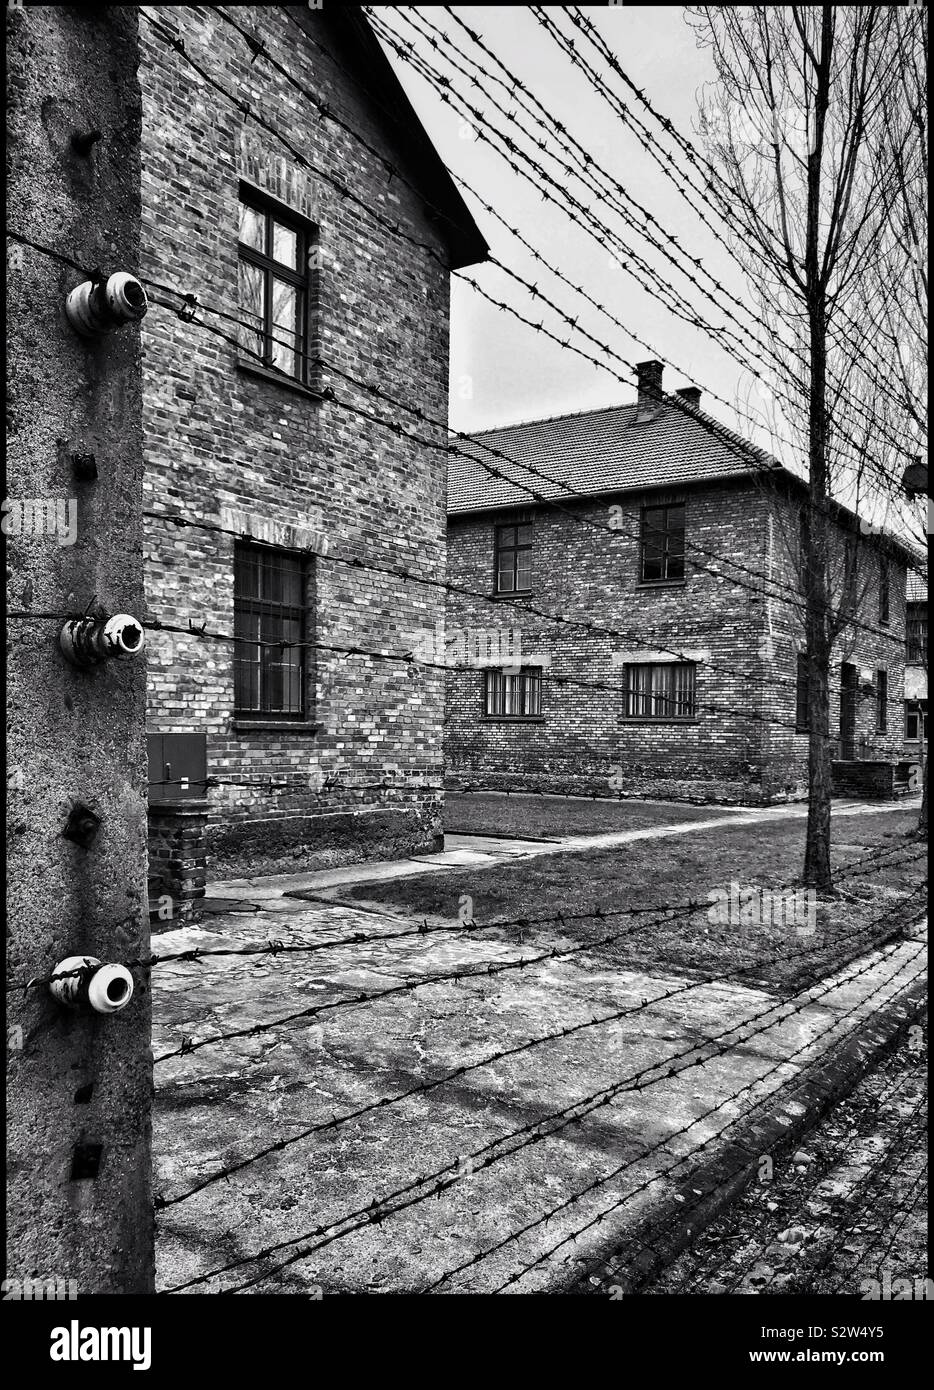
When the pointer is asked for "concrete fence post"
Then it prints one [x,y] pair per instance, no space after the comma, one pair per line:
[79,1082]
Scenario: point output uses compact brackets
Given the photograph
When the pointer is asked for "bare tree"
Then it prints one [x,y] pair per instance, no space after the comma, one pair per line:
[799,125]
[899,308]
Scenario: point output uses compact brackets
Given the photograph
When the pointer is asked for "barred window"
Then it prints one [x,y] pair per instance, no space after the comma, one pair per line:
[274,273]
[513,558]
[270,589]
[516,695]
[802,723]
[660,691]
[662,543]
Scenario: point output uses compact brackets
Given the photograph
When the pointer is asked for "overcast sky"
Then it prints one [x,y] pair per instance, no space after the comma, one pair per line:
[512,372]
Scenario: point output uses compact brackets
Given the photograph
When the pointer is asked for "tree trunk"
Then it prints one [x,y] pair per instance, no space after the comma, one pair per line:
[817,872]
[817,615]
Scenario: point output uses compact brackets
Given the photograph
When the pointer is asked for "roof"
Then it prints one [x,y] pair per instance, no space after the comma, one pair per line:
[612,450]
[917,588]
[597,452]
[360,49]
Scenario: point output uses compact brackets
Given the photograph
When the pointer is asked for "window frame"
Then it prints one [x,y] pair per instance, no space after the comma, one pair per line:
[914,711]
[629,693]
[882,700]
[302,281]
[916,646]
[517,549]
[665,533]
[269,608]
[532,676]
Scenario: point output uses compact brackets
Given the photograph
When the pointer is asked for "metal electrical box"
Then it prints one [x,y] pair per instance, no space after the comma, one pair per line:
[178,766]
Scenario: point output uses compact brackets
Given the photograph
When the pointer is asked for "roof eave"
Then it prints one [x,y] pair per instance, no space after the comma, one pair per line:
[465,242]
[741,475]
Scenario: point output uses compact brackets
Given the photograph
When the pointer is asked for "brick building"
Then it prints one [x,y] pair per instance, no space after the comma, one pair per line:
[916,668]
[654,521]
[334,255]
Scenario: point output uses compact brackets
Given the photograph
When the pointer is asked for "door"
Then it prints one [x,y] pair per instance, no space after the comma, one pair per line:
[848,678]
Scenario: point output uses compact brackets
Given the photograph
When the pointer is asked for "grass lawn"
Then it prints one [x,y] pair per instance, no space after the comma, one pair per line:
[529,816]
[677,870]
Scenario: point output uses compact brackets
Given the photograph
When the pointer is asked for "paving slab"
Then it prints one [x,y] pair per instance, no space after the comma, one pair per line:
[601,1171]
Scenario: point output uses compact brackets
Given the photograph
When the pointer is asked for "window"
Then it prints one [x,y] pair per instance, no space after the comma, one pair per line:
[273,252]
[662,543]
[883,589]
[665,691]
[515,696]
[915,724]
[801,695]
[882,701]
[917,641]
[269,608]
[514,558]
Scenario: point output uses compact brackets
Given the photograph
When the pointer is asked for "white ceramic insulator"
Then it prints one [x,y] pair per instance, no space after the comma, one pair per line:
[110,989]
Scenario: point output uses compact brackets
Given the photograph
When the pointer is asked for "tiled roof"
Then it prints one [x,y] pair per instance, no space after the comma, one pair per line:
[595,452]
[600,452]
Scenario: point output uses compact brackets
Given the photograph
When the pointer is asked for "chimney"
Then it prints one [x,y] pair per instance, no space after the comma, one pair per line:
[690,394]
[649,378]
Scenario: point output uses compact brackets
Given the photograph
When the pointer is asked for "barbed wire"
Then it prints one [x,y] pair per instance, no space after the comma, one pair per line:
[566,44]
[507,308]
[457,976]
[486,206]
[906,1210]
[373,1212]
[201,632]
[882,1168]
[588,175]
[423,1088]
[726,200]
[632,1248]
[696,1280]
[572,207]
[249,110]
[656,1176]
[647,640]
[874,858]
[787,592]
[447,1176]
[871,1181]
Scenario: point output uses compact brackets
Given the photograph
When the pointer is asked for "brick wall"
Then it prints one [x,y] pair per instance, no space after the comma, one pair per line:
[743,746]
[177,862]
[220,441]
[583,741]
[869,648]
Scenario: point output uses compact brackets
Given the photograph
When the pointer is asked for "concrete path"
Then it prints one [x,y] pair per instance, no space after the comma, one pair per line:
[606,1166]
[482,851]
